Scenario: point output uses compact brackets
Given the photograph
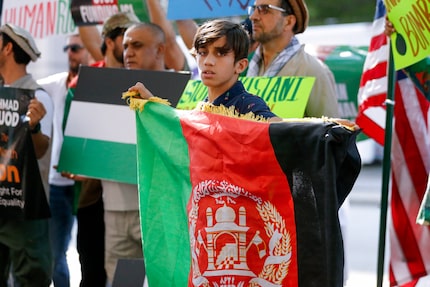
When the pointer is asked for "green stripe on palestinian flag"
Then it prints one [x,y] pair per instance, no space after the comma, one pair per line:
[223,198]
[96,129]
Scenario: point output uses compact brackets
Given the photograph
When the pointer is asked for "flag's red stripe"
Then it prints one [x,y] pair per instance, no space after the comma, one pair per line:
[377,41]
[376,100]
[405,228]
[391,276]
[368,125]
[405,234]
[370,128]
[411,284]
[404,201]
[409,146]
[379,71]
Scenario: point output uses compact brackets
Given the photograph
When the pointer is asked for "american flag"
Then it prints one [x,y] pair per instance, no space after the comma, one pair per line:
[410,156]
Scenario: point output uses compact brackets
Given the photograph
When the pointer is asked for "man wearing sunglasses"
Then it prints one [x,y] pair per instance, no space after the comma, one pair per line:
[74,48]
[91,239]
[61,189]
[24,232]
[274,25]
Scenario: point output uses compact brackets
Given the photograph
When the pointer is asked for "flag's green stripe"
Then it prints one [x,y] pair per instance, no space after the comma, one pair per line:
[163,199]
[82,156]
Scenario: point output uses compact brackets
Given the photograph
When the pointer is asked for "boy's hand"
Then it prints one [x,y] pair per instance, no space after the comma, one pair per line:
[141,90]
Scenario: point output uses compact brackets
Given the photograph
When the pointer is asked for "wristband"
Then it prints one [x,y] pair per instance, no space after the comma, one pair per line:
[36,129]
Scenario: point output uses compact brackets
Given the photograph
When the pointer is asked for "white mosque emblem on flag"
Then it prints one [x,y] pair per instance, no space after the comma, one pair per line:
[232,256]
[226,246]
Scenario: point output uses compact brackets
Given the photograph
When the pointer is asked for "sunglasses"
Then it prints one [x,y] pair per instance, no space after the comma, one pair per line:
[73,47]
[264,9]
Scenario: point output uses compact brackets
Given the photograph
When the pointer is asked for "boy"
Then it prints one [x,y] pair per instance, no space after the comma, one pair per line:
[241,224]
[221,50]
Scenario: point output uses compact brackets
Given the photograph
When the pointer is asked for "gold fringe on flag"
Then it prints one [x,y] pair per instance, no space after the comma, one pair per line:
[228,111]
[137,103]
[342,122]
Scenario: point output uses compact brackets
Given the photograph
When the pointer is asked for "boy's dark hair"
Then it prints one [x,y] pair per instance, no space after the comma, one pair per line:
[19,55]
[237,39]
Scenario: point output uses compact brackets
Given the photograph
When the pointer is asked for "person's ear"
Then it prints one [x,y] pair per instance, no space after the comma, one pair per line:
[241,65]
[161,50]
[109,43]
[290,22]
[8,47]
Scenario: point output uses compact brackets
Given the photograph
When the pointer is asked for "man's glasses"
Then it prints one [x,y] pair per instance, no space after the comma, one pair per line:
[264,9]
[73,47]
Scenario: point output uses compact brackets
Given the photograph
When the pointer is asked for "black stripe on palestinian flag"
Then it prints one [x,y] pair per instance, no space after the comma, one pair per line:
[106,85]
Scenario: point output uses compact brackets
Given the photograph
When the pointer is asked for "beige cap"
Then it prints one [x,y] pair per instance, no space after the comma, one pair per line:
[22,38]
[118,20]
[302,15]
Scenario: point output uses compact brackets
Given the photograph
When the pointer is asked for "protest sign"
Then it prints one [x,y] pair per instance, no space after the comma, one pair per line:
[411,42]
[100,139]
[89,12]
[199,9]
[286,96]
[21,190]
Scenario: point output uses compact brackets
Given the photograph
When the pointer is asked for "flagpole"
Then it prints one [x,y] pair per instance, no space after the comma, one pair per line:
[386,165]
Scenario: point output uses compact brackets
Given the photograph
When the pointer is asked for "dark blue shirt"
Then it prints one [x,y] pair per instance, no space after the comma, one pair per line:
[243,101]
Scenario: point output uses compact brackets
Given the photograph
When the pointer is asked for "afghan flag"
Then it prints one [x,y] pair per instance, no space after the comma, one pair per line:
[238,202]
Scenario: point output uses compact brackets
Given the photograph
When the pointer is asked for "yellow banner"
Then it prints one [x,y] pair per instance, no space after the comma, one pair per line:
[411,19]
[286,96]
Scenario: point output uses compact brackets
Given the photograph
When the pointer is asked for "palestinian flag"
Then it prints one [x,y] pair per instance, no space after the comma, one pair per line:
[229,201]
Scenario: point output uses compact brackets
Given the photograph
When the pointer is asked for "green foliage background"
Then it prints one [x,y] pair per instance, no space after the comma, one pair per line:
[337,11]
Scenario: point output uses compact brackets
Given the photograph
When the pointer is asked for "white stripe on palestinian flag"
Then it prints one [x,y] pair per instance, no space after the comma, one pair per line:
[103,122]
[100,142]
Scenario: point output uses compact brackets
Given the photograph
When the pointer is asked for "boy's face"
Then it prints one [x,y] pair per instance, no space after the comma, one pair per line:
[217,67]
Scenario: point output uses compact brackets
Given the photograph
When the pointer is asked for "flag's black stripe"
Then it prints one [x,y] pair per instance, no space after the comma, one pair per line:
[106,85]
[321,163]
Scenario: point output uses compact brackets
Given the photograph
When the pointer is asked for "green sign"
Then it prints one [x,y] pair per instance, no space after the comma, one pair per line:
[286,96]
[411,19]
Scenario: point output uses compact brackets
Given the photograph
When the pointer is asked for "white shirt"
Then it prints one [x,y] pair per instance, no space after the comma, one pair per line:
[46,121]
[56,87]
[46,129]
